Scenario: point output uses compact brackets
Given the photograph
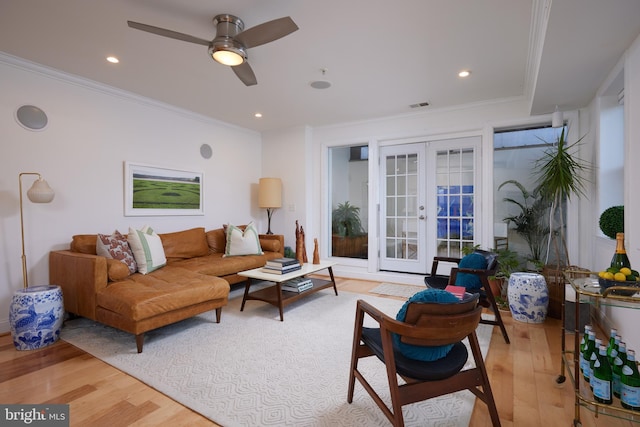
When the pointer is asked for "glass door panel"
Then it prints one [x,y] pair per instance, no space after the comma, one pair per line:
[455,195]
[403,223]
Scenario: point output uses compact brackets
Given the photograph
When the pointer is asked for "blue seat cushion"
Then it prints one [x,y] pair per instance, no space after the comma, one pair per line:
[427,371]
[471,281]
[418,352]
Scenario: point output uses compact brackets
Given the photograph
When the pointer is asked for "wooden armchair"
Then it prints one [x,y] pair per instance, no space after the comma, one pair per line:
[487,299]
[426,324]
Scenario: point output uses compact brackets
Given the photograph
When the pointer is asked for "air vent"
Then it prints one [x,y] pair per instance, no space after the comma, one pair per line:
[420,104]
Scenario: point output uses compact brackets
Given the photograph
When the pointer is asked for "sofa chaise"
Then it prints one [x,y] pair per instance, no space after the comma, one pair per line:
[195,279]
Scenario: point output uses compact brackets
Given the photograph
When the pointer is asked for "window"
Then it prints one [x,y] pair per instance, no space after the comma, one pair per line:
[611,153]
[349,178]
[516,152]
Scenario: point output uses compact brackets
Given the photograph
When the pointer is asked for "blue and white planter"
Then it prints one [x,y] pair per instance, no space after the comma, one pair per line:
[35,316]
[528,297]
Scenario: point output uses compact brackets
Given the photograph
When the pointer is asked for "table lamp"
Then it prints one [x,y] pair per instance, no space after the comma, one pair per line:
[270,197]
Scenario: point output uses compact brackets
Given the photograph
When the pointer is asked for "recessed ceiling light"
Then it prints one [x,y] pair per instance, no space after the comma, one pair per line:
[464,73]
[257,115]
[113,59]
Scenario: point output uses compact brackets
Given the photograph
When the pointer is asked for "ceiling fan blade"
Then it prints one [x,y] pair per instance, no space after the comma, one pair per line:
[267,32]
[245,73]
[168,33]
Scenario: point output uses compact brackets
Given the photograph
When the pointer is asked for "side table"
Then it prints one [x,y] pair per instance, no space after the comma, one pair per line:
[528,297]
[36,314]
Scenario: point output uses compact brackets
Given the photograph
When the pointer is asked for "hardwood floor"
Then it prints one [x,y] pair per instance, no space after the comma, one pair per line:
[522,378]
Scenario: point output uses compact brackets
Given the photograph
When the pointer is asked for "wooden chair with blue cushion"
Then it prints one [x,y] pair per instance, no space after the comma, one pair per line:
[423,346]
[472,272]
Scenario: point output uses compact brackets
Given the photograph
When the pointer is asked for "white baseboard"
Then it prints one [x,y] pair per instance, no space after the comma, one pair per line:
[5,327]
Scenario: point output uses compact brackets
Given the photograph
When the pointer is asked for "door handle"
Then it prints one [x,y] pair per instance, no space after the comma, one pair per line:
[421,217]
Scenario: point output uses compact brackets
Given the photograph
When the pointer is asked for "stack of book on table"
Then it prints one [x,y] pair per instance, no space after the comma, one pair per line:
[299,284]
[282,266]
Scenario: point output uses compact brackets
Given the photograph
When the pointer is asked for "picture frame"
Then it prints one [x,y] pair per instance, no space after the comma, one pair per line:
[156,191]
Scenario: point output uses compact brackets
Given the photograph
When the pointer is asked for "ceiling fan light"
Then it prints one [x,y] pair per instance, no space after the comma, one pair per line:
[228,56]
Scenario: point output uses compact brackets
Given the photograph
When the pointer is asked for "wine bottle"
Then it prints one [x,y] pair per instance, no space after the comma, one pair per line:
[630,383]
[601,377]
[586,356]
[616,368]
[583,345]
[620,258]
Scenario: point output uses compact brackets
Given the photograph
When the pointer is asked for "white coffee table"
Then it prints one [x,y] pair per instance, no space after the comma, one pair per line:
[274,295]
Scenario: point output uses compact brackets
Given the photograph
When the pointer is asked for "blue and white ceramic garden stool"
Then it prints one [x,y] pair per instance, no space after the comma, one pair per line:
[528,297]
[35,316]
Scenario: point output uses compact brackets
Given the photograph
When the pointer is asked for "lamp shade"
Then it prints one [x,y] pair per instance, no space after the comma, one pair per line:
[270,193]
[40,192]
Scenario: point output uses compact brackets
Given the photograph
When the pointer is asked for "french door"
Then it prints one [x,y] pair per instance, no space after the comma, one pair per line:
[428,201]
[402,208]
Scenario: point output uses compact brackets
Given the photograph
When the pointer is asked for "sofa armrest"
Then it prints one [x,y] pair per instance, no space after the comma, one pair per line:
[80,276]
[278,237]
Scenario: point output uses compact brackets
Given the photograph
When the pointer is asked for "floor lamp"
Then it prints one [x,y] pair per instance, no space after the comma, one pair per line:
[40,192]
[270,197]
[36,312]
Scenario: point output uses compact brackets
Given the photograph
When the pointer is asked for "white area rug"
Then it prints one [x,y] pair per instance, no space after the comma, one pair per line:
[253,370]
[397,290]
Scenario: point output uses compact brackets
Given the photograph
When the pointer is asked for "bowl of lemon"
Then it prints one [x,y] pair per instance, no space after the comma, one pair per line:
[619,277]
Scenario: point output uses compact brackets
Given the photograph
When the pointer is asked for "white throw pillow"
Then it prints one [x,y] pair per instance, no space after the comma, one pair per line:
[147,249]
[240,242]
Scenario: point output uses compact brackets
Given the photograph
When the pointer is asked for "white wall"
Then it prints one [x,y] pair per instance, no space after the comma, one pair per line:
[92,130]
[286,156]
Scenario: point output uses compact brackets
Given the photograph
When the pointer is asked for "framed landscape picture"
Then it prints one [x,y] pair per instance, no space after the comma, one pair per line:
[155,190]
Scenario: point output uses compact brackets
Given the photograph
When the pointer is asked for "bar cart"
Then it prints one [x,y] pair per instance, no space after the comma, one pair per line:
[589,289]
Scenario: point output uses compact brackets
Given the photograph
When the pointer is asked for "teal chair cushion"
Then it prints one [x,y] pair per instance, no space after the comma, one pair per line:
[471,281]
[418,352]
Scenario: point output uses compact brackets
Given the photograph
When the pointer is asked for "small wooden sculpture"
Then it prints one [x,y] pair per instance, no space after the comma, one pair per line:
[304,245]
[299,245]
[316,254]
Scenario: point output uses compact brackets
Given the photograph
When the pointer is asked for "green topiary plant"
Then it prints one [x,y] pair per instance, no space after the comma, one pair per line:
[612,221]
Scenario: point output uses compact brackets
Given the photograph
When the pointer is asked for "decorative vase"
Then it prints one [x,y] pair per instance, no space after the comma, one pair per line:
[35,316]
[528,297]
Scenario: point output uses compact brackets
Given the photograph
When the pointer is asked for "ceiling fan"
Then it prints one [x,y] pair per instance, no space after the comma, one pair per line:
[230,45]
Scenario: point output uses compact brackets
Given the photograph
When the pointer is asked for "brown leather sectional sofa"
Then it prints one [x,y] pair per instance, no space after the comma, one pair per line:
[196,279]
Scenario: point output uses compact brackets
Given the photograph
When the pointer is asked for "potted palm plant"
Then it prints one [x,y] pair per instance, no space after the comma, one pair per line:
[530,222]
[560,174]
[348,236]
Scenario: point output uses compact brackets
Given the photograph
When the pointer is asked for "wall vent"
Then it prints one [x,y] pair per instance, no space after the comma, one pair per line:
[420,104]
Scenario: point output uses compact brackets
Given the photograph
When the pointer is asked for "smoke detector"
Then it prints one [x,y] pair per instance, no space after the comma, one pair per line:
[321,84]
